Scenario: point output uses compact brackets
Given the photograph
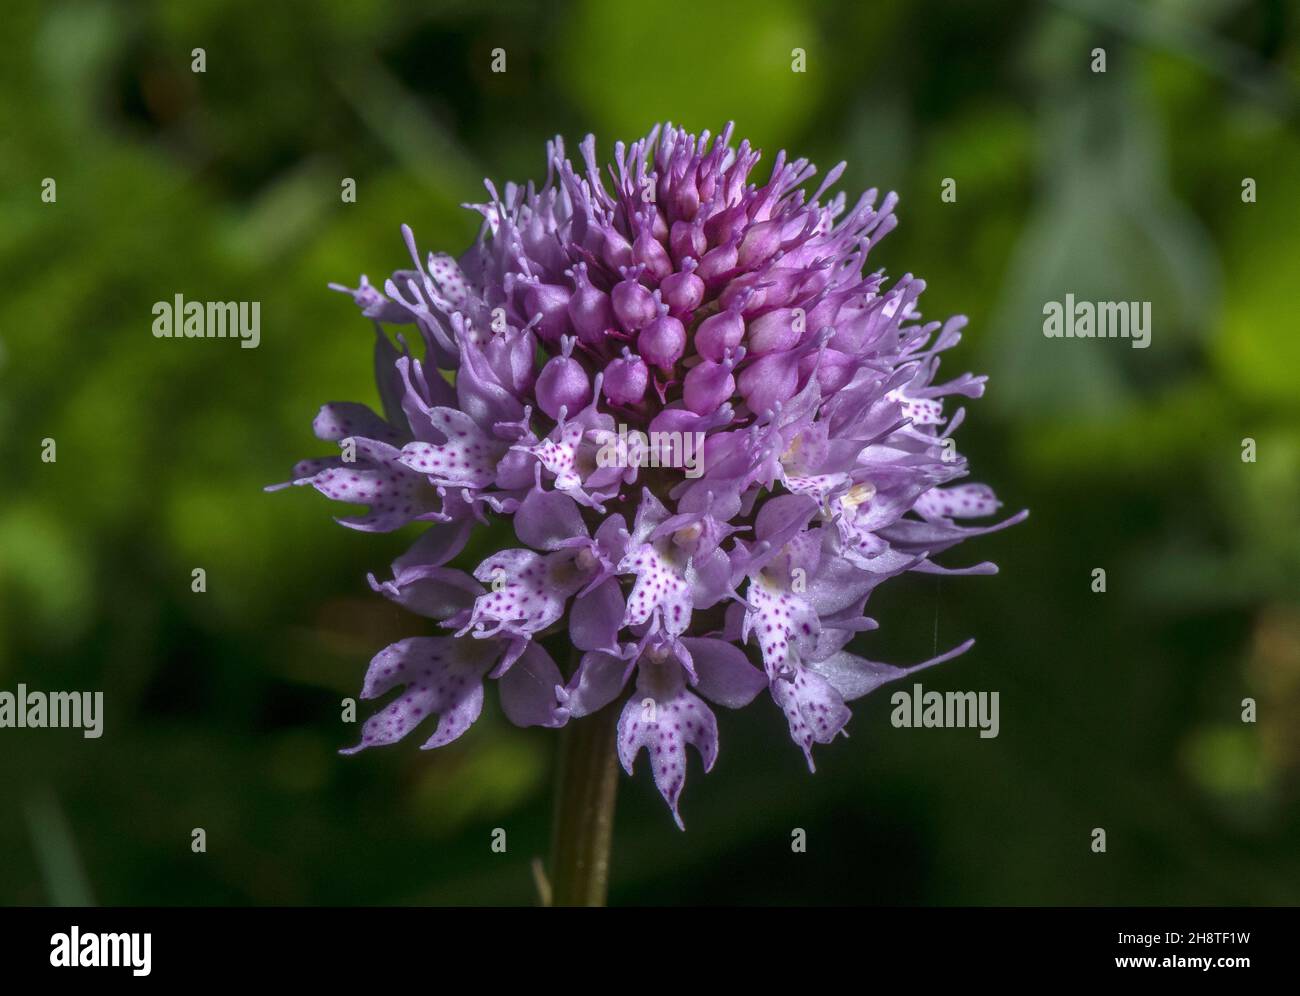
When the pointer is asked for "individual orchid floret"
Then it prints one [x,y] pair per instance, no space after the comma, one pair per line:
[370,472]
[664,714]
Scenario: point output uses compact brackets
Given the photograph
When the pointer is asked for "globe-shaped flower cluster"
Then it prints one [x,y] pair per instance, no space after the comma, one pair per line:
[712,433]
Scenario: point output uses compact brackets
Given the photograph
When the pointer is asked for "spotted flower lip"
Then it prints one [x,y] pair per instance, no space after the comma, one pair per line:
[672,291]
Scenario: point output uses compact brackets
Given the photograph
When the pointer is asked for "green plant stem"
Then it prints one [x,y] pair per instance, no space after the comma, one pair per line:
[584,810]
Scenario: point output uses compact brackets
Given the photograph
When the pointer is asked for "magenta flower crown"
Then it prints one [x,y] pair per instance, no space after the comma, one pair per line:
[713,434]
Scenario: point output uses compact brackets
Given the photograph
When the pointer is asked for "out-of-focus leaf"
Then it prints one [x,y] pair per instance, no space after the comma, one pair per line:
[696,64]
[1107,230]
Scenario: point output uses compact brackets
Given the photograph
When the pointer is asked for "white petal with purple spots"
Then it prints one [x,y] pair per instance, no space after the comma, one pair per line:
[440,676]
[662,717]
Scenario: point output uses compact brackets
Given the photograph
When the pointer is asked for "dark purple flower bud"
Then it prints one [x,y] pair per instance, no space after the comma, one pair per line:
[778,288]
[686,198]
[626,379]
[760,244]
[719,333]
[659,227]
[725,226]
[647,251]
[749,286]
[563,383]
[683,291]
[708,185]
[663,341]
[825,312]
[815,280]
[687,239]
[769,379]
[616,250]
[589,308]
[551,301]
[709,385]
[633,303]
[718,262]
[775,332]
[834,369]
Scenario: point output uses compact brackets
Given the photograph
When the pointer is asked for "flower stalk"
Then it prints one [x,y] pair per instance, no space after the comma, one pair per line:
[586,788]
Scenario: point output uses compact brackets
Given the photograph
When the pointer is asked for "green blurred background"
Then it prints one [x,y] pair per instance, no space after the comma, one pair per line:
[1119,710]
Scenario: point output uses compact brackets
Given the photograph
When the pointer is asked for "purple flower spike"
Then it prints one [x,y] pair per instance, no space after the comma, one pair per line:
[713,429]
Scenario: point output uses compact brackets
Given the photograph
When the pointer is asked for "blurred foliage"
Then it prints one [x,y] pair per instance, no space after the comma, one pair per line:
[1119,710]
